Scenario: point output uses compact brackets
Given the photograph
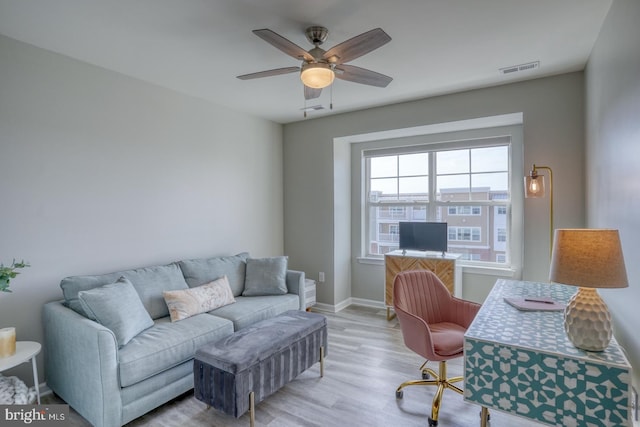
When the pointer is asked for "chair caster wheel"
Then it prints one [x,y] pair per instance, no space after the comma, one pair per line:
[433,423]
[425,375]
[488,415]
[399,394]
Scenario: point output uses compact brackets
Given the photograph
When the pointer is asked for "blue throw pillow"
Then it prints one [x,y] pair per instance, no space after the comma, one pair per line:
[265,276]
[118,307]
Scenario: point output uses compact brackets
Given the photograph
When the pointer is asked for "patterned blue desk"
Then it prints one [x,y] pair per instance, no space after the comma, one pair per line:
[522,362]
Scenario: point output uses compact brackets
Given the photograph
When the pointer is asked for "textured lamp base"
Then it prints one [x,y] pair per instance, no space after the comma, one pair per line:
[587,320]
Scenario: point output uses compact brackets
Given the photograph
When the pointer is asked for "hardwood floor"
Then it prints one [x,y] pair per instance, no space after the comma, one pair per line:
[366,361]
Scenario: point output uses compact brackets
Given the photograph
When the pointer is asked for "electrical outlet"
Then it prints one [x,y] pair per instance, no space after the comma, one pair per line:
[321,277]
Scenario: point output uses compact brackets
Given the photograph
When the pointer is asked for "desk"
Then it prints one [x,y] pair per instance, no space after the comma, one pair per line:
[25,351]
[522,362]
[444,266]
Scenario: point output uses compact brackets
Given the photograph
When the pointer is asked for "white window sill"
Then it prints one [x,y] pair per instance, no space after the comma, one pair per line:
[471,269]
[370,260]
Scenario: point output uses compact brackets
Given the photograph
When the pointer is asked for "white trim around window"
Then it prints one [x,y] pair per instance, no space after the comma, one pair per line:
[511,207]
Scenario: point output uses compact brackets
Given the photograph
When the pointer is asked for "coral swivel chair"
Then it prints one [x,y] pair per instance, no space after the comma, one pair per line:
[433,323]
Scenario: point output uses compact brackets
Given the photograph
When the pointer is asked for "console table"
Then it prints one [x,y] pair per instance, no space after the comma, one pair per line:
[522,362]
[444,266]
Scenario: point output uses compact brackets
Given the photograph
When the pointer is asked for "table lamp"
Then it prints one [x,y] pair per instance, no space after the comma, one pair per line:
[589,259]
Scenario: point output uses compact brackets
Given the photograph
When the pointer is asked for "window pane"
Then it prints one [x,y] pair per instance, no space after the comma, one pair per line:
[383,228]
[493,181]
[384,166]
[414,164]
[453,187]
[384,186]
[456,161]
[490,159]
[414,188]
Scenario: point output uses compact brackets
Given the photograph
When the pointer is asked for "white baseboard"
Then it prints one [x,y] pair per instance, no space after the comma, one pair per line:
[368,303]
[329,308]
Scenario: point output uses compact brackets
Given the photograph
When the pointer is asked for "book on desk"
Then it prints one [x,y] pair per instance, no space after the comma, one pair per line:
[535,304]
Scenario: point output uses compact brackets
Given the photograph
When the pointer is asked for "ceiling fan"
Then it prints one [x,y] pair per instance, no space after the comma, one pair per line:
[320,67]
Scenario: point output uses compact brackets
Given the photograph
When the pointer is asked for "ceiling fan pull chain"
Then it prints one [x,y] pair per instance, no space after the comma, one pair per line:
[305,106]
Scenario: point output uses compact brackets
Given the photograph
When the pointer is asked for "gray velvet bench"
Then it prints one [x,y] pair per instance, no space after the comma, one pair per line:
[241,370]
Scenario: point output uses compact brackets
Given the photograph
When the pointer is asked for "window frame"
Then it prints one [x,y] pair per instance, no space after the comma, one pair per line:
[463,139]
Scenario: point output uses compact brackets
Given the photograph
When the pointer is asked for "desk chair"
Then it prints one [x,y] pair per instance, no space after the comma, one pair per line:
[433,323]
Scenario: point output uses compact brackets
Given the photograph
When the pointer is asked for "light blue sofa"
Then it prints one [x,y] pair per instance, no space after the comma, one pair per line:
[111,385]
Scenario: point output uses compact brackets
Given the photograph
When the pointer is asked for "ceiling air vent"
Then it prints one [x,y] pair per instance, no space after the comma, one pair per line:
[521,67]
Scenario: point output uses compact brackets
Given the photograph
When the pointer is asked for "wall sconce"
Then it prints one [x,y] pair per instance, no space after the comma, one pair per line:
[588,259]
[534,188]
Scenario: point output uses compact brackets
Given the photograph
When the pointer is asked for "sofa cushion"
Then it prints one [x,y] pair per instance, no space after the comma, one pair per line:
[118,307]
[168,344]
[200,271]
[249,310]
[265,276]
[189,302]
[148,282]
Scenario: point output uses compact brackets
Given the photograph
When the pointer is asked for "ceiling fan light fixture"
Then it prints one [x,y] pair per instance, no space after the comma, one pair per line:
[317,75]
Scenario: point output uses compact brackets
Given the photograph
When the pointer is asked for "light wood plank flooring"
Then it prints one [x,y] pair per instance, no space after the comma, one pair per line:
[366,361]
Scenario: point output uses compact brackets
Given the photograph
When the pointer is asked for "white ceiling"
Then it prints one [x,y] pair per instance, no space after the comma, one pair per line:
[197,47]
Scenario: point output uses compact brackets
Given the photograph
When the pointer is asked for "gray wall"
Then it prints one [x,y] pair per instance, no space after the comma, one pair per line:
[613,156]
[101,172]
[553,136]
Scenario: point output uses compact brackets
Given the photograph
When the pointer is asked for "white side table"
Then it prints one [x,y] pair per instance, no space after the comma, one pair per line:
[25,350]
[310,293]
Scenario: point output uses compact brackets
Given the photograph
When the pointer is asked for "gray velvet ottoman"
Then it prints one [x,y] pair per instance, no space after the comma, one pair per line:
[241,370]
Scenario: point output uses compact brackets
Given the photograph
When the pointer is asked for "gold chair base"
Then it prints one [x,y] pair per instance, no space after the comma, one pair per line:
[439,380]
[390,315]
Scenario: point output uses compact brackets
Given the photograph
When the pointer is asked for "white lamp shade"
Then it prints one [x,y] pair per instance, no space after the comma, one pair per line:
[317,76]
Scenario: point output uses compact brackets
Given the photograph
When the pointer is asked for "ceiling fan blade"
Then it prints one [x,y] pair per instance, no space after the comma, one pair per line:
[285,45]
[355,74]
[311,93]
[357,46]
[269,73]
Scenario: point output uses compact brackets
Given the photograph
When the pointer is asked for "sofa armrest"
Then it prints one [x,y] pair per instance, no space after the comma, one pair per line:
[295,285]
[81,364]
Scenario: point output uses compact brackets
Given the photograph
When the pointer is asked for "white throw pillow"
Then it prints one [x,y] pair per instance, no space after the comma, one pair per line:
[189,302]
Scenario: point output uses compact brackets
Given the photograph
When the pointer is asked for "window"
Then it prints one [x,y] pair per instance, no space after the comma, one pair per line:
[463,210]
[464,183]
[464,234]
